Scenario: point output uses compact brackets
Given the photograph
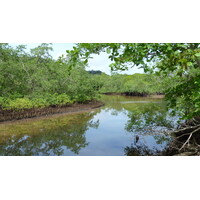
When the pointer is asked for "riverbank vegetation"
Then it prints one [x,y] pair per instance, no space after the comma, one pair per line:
[136,84]
[35,80]
[31,80]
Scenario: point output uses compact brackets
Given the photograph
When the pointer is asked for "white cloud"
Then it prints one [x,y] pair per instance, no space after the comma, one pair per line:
[99,62]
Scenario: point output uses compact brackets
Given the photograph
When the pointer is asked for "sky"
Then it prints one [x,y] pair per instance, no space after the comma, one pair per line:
[99,62]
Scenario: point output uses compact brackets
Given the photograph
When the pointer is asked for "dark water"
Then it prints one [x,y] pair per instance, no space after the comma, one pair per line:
[124,126]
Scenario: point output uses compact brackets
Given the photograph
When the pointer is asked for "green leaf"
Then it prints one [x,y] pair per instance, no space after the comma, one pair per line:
[169,48]
[189,64]
[87,54]
[85,61]
[197,54]
[108,51]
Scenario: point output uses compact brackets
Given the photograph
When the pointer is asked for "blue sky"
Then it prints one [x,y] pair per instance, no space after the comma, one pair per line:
[99,62]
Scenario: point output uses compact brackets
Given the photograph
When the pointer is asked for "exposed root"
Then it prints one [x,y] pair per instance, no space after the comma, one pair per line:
[187,139]
[185,130]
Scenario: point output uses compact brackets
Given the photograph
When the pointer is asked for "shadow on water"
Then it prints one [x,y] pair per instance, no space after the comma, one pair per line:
[124,126]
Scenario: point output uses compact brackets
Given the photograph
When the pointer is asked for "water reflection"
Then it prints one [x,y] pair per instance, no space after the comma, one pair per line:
[149,123]
[125,125]
[140,150]
[149,117]
[147,149]
[46,137]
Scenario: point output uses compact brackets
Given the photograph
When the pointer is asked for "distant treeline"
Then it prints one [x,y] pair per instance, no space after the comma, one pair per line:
[95,72]
[136,84]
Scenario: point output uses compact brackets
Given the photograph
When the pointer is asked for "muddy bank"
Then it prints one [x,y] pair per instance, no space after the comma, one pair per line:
[10,115]
[136,94]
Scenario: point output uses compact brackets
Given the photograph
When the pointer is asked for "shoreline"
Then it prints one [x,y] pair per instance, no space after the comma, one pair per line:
[12,116]
[136,94]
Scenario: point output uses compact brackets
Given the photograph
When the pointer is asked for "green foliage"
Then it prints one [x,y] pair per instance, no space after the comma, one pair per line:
[35,80]
[39,102]
[56,99]
[18,104]
[176,61]
[136,83]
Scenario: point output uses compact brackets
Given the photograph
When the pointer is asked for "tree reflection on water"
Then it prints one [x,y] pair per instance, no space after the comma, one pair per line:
[47,137]
[109,130]
[140,150]
[149,121]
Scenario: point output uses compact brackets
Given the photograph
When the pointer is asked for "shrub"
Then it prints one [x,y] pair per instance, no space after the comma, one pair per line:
[18,104]
[62,99]
[39,103]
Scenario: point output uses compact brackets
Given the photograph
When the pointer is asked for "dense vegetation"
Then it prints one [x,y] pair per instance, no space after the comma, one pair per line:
[179,62]
[136,84]
[32,80]
[35,80]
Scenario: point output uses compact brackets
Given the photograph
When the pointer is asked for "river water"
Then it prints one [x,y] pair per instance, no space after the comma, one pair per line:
[124,126]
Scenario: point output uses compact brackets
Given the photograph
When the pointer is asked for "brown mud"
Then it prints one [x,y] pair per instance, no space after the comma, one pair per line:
[12,115]
[137,94]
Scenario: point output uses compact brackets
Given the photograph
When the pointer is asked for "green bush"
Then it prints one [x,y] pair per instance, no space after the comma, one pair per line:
[82,98]
[36,102]
[3,101]
[39,103]
[61,99]
[18,104]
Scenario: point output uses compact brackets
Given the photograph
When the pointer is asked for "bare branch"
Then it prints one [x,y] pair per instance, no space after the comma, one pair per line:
[187,141]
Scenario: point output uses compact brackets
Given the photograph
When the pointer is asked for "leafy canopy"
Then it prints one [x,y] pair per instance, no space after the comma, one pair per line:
[179,61]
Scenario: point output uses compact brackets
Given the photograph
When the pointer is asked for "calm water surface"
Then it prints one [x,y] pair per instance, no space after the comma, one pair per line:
[124,126]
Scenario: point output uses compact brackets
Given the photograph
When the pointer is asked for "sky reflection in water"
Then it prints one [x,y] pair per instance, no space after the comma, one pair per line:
[124,126]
